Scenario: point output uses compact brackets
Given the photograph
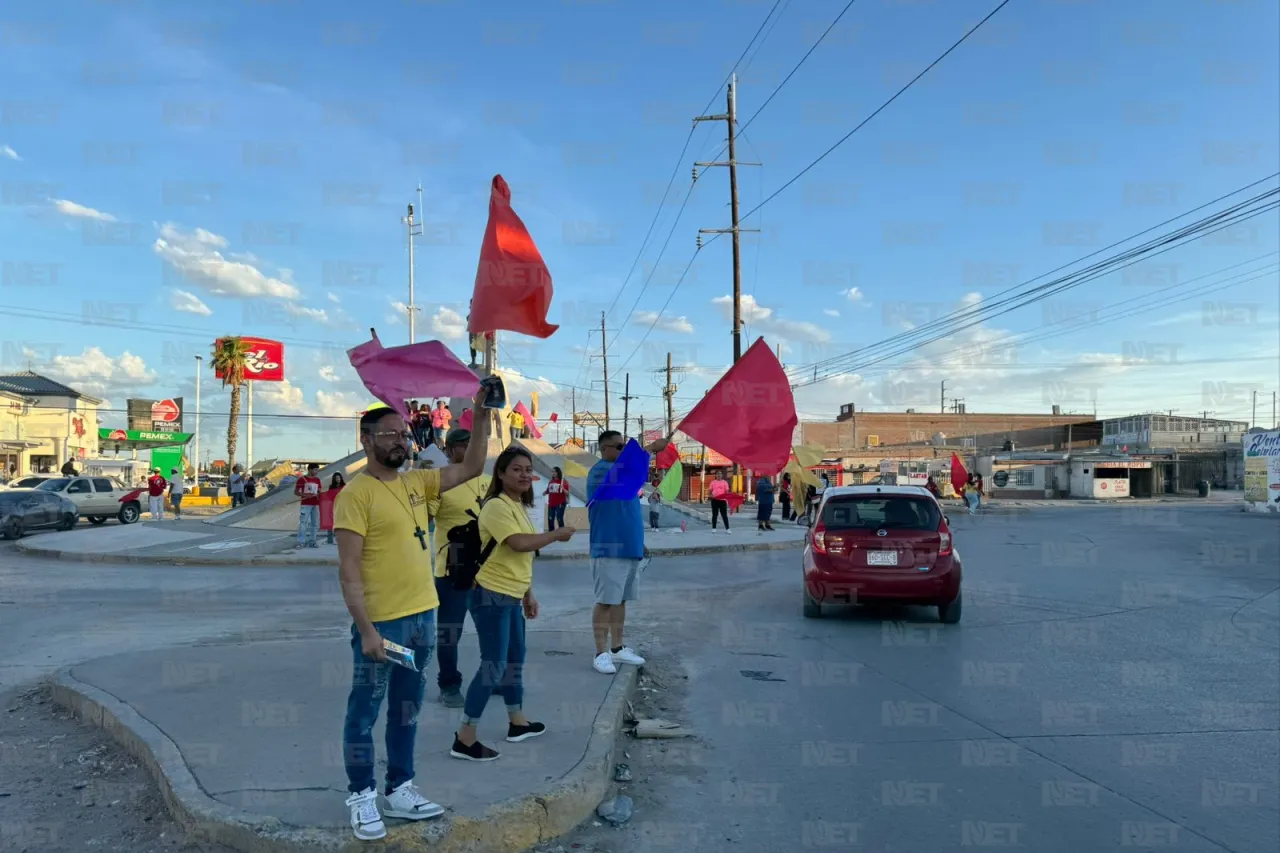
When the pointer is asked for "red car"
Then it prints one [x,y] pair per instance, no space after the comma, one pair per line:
[881,543]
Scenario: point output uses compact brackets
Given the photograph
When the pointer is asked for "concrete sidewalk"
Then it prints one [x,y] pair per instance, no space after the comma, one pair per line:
[194,543]
[246,743]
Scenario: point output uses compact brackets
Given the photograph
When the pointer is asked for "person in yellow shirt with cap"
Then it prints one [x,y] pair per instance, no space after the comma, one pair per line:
[501,602]
[453,509]
[384,567]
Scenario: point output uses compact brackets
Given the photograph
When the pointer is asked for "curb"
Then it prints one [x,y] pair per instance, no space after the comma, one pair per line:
[275,559]
[511,826]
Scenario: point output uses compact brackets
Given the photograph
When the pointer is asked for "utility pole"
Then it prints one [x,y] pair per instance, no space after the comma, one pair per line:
[730,117]
[1274,424]
[1253,418]
[573,415]
[943,409]
[626,405]
[667,391]
[199,366]
[604,357]
[412,234]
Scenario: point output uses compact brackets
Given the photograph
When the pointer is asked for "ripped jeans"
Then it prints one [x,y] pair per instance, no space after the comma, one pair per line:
[403,689]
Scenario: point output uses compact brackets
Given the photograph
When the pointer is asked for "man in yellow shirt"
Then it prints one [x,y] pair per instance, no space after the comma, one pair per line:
[451,510]
[384,565]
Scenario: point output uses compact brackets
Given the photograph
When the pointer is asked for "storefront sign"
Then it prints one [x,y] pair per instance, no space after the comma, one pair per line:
[143,435]
[1262,470]
[263,361]
[155,415]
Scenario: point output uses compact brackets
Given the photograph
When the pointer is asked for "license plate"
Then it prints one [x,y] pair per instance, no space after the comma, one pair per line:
[882,558]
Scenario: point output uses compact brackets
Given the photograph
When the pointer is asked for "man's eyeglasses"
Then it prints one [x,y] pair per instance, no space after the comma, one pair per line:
[403,435]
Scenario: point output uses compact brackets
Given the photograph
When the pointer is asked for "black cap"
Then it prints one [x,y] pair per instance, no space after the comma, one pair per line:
[456,437]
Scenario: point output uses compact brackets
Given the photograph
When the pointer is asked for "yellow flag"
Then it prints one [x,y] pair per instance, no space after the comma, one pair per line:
[533,404]
[573,469]
[801,475]
[809,455]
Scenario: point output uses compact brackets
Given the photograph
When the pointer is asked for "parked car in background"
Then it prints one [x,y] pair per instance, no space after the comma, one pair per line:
[22,510]
[98,498]
[881,543]
[30,481]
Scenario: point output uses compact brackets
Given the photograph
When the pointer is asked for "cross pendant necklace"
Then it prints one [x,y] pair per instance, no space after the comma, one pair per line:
[421,534]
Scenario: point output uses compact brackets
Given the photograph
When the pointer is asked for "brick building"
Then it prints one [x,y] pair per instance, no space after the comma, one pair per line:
[854,430]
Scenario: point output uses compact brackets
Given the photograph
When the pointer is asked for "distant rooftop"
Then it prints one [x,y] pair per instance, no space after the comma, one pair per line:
[32,384]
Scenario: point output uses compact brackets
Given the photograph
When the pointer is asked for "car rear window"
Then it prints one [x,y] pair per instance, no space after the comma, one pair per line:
[876,512]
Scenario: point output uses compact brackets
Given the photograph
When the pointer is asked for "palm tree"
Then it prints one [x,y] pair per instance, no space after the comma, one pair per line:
[229,355]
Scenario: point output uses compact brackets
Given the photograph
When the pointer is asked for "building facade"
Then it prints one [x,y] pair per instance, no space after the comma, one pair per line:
[45,424]
[857,431]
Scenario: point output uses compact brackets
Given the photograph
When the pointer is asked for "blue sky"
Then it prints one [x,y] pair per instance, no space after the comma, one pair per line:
[182,171]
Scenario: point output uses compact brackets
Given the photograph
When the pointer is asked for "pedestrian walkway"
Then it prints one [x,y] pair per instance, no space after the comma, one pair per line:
[248,736]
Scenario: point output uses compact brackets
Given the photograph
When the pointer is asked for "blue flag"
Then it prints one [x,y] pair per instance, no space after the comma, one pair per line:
[627,476]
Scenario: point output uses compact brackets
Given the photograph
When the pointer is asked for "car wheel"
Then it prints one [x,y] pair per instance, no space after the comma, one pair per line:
[68,522]
[97,519]
[812,609]
[13,530]
[129,513]
[950,613]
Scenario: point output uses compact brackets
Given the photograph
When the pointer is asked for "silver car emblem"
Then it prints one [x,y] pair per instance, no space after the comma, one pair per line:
[882,533]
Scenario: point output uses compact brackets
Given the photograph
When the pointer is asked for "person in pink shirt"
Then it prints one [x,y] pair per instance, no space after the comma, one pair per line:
[440,418]
[718,490]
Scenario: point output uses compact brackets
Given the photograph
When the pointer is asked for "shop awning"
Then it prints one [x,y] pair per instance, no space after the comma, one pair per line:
[136,439]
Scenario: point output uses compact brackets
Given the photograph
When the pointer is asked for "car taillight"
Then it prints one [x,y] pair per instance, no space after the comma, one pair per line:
[944,534]
[819,534]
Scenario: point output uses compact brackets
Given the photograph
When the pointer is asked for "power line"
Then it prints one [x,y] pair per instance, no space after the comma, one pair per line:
[809,167]
[1234,215]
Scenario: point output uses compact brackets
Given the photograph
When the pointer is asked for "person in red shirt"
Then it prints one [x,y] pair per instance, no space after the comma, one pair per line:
[557,493]
[156,485]
[308,488]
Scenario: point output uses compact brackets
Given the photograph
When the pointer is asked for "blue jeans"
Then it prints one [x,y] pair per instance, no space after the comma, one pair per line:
[370,682]
[499,621]
[450,620]
[554,514]
[308,524]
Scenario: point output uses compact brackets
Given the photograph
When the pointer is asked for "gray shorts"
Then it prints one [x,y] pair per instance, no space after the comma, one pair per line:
[616,580]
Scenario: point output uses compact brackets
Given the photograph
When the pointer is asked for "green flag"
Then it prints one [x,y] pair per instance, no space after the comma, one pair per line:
[669,488]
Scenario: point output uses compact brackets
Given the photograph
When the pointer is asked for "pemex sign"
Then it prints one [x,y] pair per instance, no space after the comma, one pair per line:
[264,359]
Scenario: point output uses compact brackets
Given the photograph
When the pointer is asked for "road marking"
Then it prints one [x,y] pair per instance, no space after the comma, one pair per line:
[224,546]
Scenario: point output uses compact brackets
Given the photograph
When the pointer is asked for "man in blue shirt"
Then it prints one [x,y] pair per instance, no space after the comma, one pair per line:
[617,546]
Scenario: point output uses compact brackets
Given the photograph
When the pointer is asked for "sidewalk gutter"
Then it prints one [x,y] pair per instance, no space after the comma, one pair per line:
[508,827]
[288,559]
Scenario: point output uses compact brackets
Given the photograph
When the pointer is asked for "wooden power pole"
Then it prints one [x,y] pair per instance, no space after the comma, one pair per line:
[730,117]
[668,391]
[626,404]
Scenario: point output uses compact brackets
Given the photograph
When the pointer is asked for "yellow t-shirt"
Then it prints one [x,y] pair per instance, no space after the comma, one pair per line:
[506,571]
[395,568]
[450,511]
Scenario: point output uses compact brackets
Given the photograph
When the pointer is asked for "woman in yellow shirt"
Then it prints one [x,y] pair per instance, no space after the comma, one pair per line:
[502,601]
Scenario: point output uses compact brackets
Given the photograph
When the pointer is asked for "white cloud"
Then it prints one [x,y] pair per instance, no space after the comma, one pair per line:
[330,374]
[519,385]
[195,256]
[8,153]
[853,294]
[399,313]
[766,321]
[318,315]
[831,312]
[666,324]
[96,373]
[79,211]
[448,324]
[333,297]
[188,303]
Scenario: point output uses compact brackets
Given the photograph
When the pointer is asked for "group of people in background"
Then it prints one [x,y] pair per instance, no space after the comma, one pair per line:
[429,426]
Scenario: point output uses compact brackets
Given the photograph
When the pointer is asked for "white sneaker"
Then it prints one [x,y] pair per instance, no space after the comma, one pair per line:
[627,655]
[604,664]
[407,803]
[366,823]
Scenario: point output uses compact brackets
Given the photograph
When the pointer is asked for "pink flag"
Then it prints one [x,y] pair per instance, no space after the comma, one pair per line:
[398,374]
[466,420]
[523,411]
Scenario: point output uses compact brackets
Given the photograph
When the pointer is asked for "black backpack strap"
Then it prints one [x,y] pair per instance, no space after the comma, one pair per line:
[487,550]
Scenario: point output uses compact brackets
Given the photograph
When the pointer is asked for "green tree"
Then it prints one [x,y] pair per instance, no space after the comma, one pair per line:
[229,356]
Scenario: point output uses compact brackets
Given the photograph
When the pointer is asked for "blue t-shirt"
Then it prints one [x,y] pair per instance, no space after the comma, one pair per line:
[616,527]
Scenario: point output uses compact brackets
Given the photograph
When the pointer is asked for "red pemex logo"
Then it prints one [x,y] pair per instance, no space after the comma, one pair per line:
[166,411]
[118,435]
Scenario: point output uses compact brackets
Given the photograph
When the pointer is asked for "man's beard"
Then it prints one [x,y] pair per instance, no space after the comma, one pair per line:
[392,457]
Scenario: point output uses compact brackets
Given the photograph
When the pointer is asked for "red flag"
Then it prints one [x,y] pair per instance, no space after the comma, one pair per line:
[959,476]
[554,417]
[326,508]
[513,286]
[749,415]
[668,456]
[467,420]
[734,501]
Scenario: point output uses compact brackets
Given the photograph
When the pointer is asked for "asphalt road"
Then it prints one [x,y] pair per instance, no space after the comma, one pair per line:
[1114,683]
